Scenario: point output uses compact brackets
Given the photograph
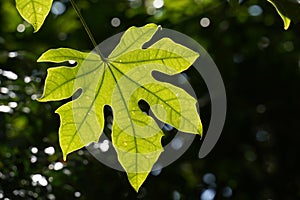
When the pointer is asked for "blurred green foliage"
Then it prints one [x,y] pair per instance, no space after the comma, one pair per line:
[256,156]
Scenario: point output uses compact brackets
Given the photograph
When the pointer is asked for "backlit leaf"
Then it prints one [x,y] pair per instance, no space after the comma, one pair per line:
[287,10]
[34,11]
[282,13]
[121,81]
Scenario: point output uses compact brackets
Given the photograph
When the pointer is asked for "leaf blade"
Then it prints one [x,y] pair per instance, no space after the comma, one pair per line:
[34,11]
[121,82]
[136,155]
[60,80]
[282,13]
[133,39]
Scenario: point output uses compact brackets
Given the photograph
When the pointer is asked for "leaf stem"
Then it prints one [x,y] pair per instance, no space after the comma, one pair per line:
[87,30]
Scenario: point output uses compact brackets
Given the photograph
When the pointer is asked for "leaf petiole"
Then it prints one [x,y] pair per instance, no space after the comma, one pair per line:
[87,30]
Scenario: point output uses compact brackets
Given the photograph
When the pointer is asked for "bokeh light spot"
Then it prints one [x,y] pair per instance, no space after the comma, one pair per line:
[151,10]
[208,194]
[4,90]
[204,22]
[72,62]
[227,192]
[5,109]
[261,109]
[9,74]
[135,3]
[21,28]
[183,78]
[115,22]
[288,46]
[58,166]
[62,36]
[27,79]
[176,195]
[224,25]
[262,136]
[104,146]
[238,58]
[250,155]
[12,54]
[156,170]
[33,159]
[168,127]
[34,150]
[13,104]
[177,143]
[209,178]
[49,150]
[38,179]
[51,196]
[263,43]
[58,8]
[77,194]
[26,110]
[158,4]
[255,10]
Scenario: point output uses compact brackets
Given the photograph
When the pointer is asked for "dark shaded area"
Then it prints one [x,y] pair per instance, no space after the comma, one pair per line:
[256,156]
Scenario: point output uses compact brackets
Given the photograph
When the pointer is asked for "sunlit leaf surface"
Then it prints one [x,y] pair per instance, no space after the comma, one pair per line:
[121,81]
[287,10]
[34,11]
[281,12]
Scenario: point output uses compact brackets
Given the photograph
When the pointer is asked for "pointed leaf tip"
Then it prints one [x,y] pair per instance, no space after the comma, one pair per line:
[34,11]
[64,157]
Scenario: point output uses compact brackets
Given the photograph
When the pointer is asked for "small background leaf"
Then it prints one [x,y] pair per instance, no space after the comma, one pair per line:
[288,11]
[34,11]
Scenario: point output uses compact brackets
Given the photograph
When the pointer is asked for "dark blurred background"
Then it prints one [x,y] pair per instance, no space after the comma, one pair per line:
[256,156]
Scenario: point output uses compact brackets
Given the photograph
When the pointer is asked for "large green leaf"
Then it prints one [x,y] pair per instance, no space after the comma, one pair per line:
[34,11]
[121,81]
[287,10]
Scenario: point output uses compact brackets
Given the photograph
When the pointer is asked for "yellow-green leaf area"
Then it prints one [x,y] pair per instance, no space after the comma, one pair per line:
[121,81]
[281,11]
[34,11]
